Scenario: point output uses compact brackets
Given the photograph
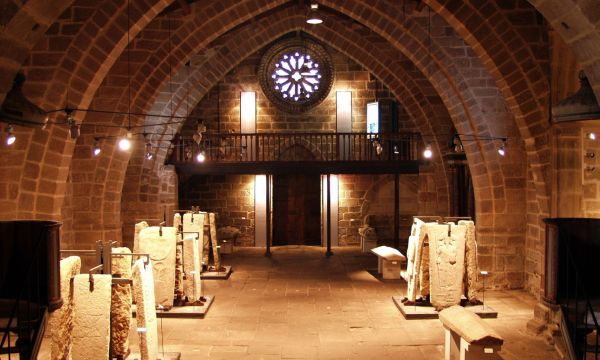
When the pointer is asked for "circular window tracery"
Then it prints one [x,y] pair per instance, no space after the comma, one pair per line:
[296,74]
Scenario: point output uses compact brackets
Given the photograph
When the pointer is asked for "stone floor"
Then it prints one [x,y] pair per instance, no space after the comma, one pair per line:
[298,304]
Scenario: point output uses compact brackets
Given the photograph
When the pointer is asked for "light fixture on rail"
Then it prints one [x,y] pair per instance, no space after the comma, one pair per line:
[73,127]
[313,16]
[427,153]
[502,148]
[457,145]
[10,137]
[96,150]
[591,136]
[125,142]
[148,147]
[201,157]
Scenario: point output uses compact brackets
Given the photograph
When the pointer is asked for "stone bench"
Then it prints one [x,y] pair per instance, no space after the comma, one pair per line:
[468,337]
[389,261]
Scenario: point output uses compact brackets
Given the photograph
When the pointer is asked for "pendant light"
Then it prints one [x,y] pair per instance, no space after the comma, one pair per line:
[313,17]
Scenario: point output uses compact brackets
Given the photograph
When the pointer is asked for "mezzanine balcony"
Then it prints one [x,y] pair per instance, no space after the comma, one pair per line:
[314,152]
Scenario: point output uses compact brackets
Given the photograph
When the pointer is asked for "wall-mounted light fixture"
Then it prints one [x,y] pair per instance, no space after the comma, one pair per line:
[10,137]
[502,148]
[201,157]
[427,153]
[591,136]
[96,150]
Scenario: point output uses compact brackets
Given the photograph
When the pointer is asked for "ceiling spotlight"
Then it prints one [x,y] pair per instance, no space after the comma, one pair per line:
[200,157]
[591,136]
[427,153]
[125,143]
[96,151]
[313,16]
[10,137]
[457,145]
[396,150]
[502,148]
[74,130]
[149,150]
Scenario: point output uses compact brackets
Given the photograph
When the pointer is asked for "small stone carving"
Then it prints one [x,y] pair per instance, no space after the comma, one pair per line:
[368,235]
[91,329]
[121,303]
[146,311]
[228,233]
[160,243]
[61,320]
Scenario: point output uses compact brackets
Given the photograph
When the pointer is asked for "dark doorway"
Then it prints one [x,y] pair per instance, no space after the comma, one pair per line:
[296,210]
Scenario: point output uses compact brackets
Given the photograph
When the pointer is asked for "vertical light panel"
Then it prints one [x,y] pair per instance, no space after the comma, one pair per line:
[248,122]
[373,118]
[344,122]
[334,194]
[260,210]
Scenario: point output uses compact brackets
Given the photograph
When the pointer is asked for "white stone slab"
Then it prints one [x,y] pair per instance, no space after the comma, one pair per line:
[121,303]
[61,320]
[447,263]
[136,235]
[145,309]
[162,254]
[415,264]
[195,223]
[91,329]
[214,241]
[472,283]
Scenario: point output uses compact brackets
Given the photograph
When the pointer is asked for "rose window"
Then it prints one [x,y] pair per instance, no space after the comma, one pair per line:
[296,74]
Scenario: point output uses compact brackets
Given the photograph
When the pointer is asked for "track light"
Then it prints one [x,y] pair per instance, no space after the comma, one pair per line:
[125,143]
[396,150]
[502,148]
[313,17]
[10,137]
[96,151]
[427,154]
[591,136]
[457,145]
[200,157]
[149,150]
[73,127]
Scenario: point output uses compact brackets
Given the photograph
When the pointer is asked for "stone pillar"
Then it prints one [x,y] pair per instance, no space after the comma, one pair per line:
[91,330]
[160,243]
[145,309]
[121,303]
[61,320]
[191,268]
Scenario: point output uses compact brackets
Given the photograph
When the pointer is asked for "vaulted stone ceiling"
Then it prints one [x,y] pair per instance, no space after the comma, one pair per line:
[480,67]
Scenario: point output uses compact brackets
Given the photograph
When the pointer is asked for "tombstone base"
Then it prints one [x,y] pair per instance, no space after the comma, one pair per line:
[167,356]
[413,312]
[216,275]
[187,311]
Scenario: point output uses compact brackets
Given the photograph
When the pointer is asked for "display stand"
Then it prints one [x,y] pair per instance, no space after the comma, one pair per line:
[166,356]
[184,311]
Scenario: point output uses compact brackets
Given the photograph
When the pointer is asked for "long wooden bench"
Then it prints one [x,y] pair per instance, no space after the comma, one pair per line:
[389,261]
[468,337]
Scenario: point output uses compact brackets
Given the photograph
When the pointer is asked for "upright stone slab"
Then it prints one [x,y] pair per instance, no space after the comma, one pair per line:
[191,268]
[179,287]
[121,303]
[177,221]
[145,309]
[446,262]
[61,320]
[91,329]
[136,236]
[415,261]
[214,241]
[471,278]
[162,253]
[194,222]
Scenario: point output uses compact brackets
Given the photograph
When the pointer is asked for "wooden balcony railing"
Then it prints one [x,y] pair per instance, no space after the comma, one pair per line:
[278,147]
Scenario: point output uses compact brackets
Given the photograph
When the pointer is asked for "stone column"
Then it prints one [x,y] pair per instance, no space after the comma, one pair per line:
[91,330]
[121,303]
[61,320]
[145,309]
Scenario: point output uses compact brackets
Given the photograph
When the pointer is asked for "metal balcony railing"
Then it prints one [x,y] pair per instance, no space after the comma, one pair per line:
[277,147]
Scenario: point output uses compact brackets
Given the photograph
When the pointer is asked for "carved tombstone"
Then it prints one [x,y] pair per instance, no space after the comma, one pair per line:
[136,235]
[415,256]
[61,320]
[446,263]
[121,303]
[146,309]
[195,223]
[91,330]
[214,241]
[191,268]
[471,279]
[160,243]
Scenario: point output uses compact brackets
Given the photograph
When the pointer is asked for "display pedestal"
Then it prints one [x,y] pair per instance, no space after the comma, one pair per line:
[167,356]
[216,275]
[413,312]
[188,311]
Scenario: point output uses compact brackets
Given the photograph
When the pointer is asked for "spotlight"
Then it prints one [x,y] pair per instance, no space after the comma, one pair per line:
[74,130]
[502,148]
[396,150]
[591,136]
[427,153]
[10,137]
[149,150]
[96,151]
[125,143]
[200,157]
[314,18]
[458,146]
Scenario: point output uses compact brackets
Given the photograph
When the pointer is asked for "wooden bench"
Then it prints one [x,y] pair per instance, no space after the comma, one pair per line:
[389,261]
[468,337]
